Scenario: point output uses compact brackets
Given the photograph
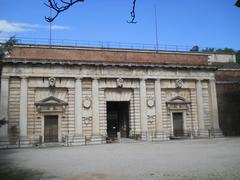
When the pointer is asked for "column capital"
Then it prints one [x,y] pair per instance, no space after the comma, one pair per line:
[158,80]
[24,77]
[78,78]
[212,80]
[95,78]
[5,77]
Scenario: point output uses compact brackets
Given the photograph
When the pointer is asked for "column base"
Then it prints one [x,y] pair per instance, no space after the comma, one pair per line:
[78,140]
[208,133]
[24,142]
[97,139]
[217,133]
[4,131]
[161,136]
[203,133]
[4,142]
[144,136]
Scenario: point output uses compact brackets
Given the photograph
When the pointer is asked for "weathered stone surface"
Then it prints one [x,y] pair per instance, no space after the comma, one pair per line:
[86,89]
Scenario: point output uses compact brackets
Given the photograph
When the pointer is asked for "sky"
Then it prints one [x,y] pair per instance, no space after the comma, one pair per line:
[206,23]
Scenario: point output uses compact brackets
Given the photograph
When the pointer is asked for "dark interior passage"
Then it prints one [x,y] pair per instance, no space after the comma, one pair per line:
[118,118]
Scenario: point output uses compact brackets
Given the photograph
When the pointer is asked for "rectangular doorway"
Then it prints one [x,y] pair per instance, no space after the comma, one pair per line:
[117,118]
[51,128]
[178,124]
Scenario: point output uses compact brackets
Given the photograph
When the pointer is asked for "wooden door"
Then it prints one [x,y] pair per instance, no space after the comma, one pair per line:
[51,128]
[178,124]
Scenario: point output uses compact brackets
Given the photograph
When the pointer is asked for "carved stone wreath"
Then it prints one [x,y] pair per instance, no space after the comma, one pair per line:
[87,120]
[179,83]
[52,81]
[87,102]
[120,82]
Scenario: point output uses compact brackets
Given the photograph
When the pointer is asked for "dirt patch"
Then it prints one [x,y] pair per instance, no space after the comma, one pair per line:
[11,173]
[91,176]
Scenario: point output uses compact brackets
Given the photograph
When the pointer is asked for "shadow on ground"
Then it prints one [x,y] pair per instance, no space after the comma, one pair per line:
[8,172]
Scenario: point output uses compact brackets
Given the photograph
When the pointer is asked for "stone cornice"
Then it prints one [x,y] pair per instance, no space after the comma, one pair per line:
[202,78]
[120,64]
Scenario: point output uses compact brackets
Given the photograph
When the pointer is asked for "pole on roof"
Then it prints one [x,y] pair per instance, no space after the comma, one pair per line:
[156,27]
[50,29]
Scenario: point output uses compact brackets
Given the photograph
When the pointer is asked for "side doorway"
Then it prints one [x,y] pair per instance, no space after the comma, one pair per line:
[178,127]
[50,128]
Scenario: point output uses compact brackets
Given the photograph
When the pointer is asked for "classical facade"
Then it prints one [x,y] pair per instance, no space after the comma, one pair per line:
[89,95]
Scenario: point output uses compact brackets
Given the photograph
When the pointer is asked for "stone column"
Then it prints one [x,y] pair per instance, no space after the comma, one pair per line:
[95,104]
[214,105]
[200,105]
[158,101]
[78,106]
[143,113]
[23,107]
[4,105]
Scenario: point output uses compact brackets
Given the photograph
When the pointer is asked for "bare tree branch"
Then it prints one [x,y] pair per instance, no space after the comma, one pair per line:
[54,5]
[133,15]
[64,5]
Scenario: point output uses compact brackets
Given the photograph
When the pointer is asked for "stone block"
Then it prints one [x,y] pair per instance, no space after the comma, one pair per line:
[78,140]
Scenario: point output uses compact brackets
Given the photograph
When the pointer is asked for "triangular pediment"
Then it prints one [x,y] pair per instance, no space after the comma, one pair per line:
[51,101]
[178,99]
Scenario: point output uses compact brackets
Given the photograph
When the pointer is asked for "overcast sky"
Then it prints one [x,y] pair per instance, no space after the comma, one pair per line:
[207,23]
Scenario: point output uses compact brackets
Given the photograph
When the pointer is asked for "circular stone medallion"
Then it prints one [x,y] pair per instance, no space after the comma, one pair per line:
[87,103]
[150,102]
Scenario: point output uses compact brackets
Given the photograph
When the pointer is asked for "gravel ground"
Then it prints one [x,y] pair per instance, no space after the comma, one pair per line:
[179,159]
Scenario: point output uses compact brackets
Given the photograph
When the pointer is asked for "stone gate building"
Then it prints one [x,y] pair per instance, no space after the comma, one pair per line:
[89,95]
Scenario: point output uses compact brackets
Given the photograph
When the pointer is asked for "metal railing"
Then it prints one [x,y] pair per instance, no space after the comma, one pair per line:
[103,44]
[154,136]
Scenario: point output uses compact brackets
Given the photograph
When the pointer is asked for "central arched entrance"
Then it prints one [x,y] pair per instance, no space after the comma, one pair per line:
[118,111]
[118,118]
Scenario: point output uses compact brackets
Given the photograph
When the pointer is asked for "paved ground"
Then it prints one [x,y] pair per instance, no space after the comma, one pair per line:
[188,159]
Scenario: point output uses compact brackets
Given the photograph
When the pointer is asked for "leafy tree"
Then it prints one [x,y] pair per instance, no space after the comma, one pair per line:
[238,56]
[6,48]
[195,49]
[208,50]
[225,50]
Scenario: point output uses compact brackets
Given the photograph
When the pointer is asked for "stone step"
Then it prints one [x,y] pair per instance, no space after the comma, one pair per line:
[203,133]
[97,140]
[218,134]
[53,144]
[128,140]
[160,138]
[78,141]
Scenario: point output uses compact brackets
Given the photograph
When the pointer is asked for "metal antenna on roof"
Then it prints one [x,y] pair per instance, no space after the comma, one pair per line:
[156,27]
[50,29]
